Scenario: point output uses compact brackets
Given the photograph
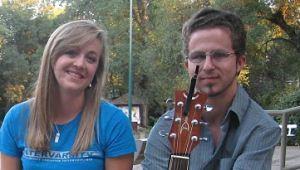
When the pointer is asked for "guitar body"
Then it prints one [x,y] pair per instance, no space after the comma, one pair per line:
[186,129]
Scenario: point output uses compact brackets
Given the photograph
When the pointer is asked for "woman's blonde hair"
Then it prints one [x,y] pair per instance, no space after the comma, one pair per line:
[40,124]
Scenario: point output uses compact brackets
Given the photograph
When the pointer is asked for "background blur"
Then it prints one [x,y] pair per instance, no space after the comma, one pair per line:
[273,47]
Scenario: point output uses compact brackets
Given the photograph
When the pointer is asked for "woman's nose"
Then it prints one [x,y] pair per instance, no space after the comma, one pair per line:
[79,61]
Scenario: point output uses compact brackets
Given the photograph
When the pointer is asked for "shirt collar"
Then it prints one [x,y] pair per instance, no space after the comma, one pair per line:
[239,105]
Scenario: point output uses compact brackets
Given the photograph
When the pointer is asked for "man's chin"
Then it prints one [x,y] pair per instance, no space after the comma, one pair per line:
[206,88]
[212,94]
[210,91]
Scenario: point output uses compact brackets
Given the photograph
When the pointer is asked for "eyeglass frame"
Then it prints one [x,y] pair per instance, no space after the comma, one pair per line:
[210,54]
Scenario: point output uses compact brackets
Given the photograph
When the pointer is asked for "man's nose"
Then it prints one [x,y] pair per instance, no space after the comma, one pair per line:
[208,64]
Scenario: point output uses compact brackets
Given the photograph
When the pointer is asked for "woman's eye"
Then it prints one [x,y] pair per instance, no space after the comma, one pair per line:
[91,59]
[71,53]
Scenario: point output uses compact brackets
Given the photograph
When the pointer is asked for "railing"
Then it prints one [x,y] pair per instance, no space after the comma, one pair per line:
[285,116]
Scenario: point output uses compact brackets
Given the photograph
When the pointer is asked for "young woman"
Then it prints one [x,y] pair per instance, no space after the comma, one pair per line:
[66,125]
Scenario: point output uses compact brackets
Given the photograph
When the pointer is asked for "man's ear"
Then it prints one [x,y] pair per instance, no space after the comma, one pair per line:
[240,63]
[186,64]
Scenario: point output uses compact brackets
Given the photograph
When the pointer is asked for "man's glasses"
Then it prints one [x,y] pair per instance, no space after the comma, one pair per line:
[199,57]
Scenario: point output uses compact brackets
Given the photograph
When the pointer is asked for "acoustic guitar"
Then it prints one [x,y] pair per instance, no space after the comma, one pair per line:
[185,131]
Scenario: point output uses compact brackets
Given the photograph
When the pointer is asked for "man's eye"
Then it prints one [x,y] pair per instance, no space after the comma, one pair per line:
[198,56]
[219,54]
[202,56]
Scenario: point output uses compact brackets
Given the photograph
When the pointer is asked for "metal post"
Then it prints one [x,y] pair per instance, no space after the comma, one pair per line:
[283,140]
[130,64]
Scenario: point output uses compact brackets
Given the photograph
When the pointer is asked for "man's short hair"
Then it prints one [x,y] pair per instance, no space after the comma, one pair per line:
[210,18]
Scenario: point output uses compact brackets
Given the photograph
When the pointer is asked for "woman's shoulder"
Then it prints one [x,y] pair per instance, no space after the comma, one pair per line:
[107,106]
[20,107]
[106,103]
[19,112]
[110,110]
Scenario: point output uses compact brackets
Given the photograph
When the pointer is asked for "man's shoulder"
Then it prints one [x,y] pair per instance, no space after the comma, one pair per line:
[251,112]
[166,118]
[259,115]
[163,125]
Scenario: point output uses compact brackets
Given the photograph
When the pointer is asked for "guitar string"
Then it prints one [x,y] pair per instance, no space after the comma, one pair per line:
[186,143]
[189,144]
[176,142]
[179,140]
[188,150]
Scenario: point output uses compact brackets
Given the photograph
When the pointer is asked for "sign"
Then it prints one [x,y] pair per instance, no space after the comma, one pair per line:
[135,113]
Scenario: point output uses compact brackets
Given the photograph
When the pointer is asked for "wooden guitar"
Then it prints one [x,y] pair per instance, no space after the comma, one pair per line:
[186,126]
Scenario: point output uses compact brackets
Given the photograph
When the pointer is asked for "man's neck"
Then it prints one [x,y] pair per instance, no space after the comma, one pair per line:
[220,105]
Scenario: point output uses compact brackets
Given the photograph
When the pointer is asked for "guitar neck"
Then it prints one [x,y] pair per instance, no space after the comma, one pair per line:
[178,162]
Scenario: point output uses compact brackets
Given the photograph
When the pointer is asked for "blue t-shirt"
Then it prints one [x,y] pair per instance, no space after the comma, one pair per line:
[113,138]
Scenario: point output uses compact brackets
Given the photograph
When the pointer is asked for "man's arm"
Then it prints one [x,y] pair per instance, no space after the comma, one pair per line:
[157,151]
[259,149]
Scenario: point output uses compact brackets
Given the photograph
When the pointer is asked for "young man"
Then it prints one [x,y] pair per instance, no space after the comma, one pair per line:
[239,133]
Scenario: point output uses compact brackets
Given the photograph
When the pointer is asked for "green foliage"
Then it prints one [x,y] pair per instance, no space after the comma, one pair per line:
[290,97]
[23,34]
[273,62]
[272,57]
[287,98]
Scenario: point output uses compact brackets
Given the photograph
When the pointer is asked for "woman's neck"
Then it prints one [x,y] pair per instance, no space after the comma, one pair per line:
[67,107]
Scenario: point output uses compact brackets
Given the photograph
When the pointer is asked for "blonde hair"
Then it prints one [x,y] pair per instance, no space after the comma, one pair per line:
[40,124]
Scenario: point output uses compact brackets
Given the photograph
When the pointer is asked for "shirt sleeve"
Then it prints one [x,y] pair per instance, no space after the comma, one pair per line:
[157,151]
[119,139]
[8,135]
[259,149]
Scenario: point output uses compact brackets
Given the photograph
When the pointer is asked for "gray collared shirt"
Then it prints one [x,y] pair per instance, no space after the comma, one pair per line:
[249,136]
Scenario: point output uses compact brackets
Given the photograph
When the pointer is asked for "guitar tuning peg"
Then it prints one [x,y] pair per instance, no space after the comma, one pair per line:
[167,117]
[198,106]
[163,133]
[173,135]
[208,108]
[194,138]
[194,122]
[180,103]
[203,123]
[178,120]
[203,139]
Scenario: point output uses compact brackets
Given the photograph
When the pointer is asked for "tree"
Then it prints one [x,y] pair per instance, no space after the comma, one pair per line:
[272,45]
[23,34]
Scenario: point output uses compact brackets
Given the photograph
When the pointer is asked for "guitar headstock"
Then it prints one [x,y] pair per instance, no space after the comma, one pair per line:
[186,130]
